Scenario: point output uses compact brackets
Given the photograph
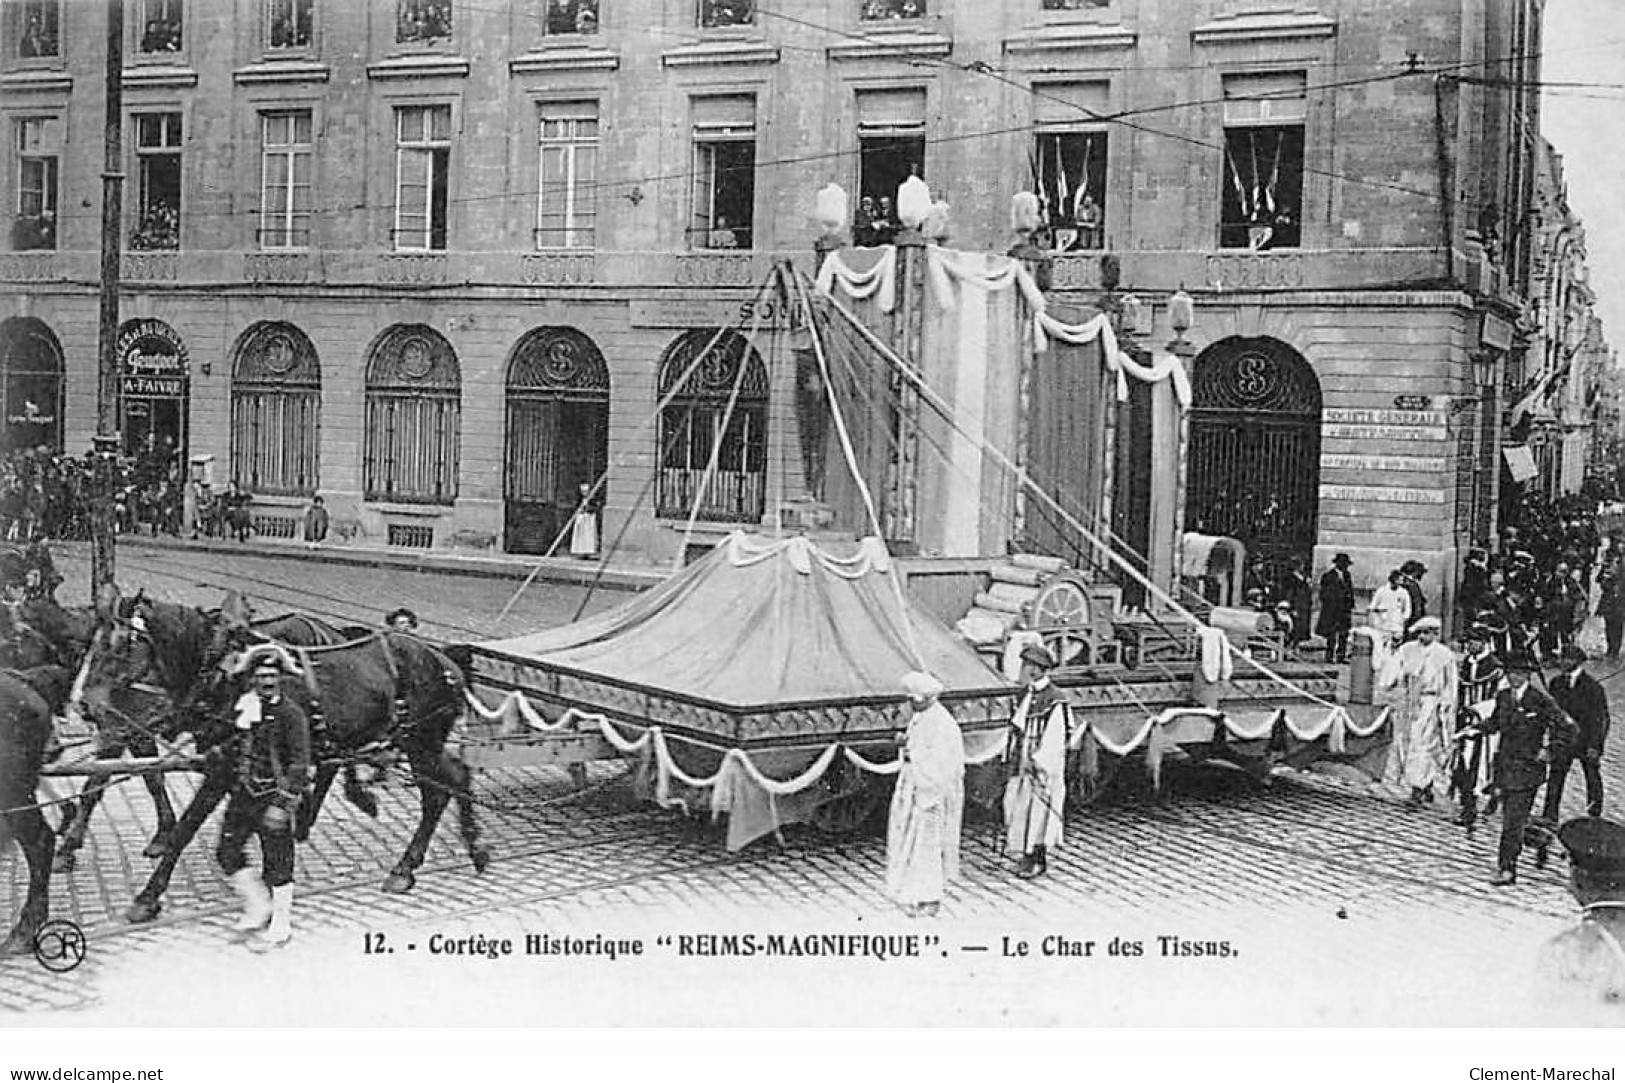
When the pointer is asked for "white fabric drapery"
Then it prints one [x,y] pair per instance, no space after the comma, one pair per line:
[944,266]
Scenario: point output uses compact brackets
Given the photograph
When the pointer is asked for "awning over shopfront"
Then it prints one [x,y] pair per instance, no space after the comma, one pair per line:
[1520,461]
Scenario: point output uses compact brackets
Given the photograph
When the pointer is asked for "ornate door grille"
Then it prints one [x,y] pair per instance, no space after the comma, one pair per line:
[558,434]
[1254,471]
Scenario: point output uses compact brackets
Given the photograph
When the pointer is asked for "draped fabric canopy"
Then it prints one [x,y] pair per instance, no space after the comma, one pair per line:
[762,625]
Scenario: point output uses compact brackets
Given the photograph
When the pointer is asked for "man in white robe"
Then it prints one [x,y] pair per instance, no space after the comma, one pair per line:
[922,833]
[1035,795]
[1425,671]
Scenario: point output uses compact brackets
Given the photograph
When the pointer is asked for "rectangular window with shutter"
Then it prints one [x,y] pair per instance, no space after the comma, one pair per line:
[1068,163]
[287,164]
[423,165]
[1261,196]
[724,177]
[158,198]
[39,147]
[566,208]
[32,28]
[160,26]
[288,23]
[891,148]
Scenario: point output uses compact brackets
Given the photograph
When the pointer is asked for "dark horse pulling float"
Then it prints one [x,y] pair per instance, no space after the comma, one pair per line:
[369,699]
[40,646]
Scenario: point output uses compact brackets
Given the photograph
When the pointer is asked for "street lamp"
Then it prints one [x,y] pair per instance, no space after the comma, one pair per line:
[913,207]
[829,211]
[1181,317]
[1025,221]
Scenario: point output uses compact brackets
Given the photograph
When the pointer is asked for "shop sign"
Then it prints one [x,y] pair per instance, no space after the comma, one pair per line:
[152,361]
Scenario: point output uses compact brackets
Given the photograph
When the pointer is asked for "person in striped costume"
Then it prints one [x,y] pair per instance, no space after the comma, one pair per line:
[1473,760]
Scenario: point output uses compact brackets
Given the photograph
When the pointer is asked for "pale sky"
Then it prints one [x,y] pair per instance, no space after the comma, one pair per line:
[1585,42]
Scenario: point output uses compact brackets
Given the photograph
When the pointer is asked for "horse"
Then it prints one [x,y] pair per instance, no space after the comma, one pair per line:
[28,701]
[135,715]
[367,698]
[155,715]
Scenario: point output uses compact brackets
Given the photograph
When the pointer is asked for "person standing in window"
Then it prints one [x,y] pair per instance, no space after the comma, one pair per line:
[1090,222]
[722,235]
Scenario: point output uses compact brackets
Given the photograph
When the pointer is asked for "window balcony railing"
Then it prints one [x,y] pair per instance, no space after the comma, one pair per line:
[880,10]
[33,232]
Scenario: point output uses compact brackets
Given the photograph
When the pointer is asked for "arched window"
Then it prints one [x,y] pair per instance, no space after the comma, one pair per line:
[414,417]
[276,403]
[1253,471]
[691,426]
[30,385]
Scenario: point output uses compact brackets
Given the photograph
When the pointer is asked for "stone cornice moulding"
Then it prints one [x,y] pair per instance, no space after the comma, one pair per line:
[37,81]
[894,45]
[720,52]
[556,58]
[420,67]
[1271,26]
[150,77]
[282,71]
[1069,37]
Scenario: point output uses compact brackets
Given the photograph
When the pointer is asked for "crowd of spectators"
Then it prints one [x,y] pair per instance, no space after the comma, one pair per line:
[1549,573]
[45,494]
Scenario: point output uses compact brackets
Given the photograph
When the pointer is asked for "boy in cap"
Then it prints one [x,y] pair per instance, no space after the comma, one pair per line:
[1591,956]
[1035,795]
[271,775]
[922,830]
[1531,726]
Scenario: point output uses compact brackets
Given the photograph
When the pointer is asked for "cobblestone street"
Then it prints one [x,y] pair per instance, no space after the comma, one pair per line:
[1339,906]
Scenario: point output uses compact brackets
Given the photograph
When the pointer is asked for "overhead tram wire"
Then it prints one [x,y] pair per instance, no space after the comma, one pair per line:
[603,479]
[989,72]
[903,614]
[720,433]
[1003,516]
[1121,118]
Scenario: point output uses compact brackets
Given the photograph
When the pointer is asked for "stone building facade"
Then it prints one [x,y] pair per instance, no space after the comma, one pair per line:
[440,261]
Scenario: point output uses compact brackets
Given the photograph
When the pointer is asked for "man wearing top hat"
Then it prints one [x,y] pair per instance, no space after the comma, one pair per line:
[1473,759]
[1035,795]
[1336,608]
[1532,729]
[1591,956]
[1583,697]
[271,773]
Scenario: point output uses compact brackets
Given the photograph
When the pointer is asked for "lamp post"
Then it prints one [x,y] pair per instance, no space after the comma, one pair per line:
[1026,222]
[913,208]
[106,440]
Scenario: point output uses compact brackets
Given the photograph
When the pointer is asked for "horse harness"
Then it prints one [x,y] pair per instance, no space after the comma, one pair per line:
[322,745]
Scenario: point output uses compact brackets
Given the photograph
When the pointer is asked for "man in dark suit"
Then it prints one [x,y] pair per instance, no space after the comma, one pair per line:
[1533,731]
[1585,700]
[1336,609]
[1410,580]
